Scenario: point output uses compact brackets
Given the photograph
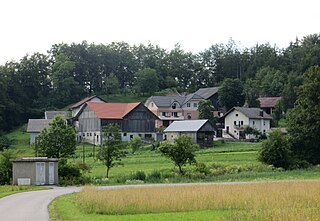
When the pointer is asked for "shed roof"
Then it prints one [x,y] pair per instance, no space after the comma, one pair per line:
[269,101]
[51,114]
[35,159]
[186,126]
[37,125]
[112,110]
[253,113]
[206,93]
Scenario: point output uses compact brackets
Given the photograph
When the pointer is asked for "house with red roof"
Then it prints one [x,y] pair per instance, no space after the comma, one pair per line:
[75,108]
[134,119]
[268,103]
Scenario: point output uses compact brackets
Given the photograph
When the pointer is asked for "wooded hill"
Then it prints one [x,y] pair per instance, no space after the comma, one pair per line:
[67,73]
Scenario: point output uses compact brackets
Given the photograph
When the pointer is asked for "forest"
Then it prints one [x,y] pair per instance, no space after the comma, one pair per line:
[69,72]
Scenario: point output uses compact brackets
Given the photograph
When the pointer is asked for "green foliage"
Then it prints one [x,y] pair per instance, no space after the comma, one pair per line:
[135,143]
[252,92]
[276,151]
[206,109]
[231,93]
[4,142]
[58,141]
[250,130]
[277,113]
[154,177]
[271,81]
[139,175]
[6,166]
[112,149]
[181,152]
[146,81]
[304,119]
[111,84]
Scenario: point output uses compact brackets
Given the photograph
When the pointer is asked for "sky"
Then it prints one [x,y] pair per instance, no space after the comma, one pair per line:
[29,26]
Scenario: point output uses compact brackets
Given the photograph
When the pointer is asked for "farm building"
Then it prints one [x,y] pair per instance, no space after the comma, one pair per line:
[75,108]
[35,171]
[201,131]
[51,114]
[134,119]
[35,126]
[269,103]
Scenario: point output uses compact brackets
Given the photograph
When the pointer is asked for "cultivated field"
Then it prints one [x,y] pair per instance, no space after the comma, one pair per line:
[283,200]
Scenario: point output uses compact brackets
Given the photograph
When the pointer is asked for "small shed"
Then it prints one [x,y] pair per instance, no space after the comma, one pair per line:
[35,126]
[201,131]
[35,171]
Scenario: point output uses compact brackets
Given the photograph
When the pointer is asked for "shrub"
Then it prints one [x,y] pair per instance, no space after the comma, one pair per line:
[202,168]
[154,176]
[276,151]
[139,175]
[134,144]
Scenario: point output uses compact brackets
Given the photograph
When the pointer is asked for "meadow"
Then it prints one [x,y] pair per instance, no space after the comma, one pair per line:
[281,200]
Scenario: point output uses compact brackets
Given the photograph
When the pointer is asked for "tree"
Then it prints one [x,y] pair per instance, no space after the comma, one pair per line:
[134,144]
[146,81]
[276,151]
[58,141]
[231,93]
[206,109]
[304,119]
[6,166]
[251,91]
[111,84]
[112,148]
[181,152]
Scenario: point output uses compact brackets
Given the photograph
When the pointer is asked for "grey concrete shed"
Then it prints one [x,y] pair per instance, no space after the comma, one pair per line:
[35,171]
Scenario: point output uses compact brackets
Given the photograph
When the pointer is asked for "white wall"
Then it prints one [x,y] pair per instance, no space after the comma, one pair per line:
[238,117]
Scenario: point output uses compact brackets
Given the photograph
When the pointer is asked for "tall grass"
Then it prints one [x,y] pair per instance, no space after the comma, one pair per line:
[299,200]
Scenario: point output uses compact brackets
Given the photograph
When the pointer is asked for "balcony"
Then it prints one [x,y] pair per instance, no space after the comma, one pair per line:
[240,127]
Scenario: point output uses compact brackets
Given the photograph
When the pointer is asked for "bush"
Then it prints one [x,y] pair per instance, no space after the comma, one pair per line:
[154,176]
[139,175]
[4,143]
[202,168]
[276,151]
[134,144]
[6,166]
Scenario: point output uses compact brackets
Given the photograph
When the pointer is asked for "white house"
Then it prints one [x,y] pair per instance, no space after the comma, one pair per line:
[238,118]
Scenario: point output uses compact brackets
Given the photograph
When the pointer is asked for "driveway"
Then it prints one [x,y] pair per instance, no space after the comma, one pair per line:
[31,206]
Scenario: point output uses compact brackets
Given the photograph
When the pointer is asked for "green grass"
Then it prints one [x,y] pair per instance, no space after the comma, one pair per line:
[64,208]
[9,190]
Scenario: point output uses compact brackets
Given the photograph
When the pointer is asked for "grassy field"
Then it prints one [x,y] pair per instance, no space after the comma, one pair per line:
[285,200]
[9,190]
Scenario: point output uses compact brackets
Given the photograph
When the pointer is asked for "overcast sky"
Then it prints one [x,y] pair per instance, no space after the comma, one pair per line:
[29,26]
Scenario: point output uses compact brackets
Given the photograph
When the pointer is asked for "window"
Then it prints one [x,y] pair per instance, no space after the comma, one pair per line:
[174,106]
[188,105]
[235,122]
[151,104]
[139,135]
[237,115]
[241,122]
[148,136]
[253,122]
[87,134]
[131,136]
[90,134]
[124,134]
[189,116]
[164,114]
[264,123]
[195,104]
[264,131]
[175,114]
[97,137]
[83,134]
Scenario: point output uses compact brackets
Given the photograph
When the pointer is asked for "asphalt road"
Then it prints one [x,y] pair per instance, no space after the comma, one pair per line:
[31,206]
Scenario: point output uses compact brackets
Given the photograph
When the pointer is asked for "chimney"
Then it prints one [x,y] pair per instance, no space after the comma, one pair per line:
[261,113]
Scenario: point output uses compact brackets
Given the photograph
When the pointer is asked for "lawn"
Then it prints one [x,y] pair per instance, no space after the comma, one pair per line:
[283,200]
[9,190]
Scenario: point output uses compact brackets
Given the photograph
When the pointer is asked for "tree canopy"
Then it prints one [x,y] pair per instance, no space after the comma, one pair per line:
[58,141]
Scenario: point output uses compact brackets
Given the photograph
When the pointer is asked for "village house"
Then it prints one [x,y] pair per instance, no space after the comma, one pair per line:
[238,118]
[268,103]
[200,131]
[75,108]
[134,119]
[175,108]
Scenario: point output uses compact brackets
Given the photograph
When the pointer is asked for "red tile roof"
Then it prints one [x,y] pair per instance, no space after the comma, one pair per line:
[112,110]
[269,101]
